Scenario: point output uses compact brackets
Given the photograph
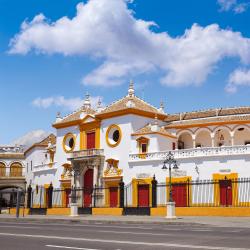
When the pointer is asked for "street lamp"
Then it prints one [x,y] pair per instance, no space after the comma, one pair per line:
[171,162]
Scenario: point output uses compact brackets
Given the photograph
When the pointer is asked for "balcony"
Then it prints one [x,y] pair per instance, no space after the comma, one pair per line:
[44,166]
[85,154]
[193,153]
[11,173]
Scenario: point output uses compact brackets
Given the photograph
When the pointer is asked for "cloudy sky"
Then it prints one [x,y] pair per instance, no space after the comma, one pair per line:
[190,54]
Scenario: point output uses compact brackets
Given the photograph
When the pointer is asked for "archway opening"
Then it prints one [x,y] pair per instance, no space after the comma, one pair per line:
[2,169]
[222,138]
[203,139]
[16,169]
[242,136]
[185,141]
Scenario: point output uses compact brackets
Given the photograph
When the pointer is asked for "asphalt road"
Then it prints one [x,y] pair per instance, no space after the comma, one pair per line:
[104,236]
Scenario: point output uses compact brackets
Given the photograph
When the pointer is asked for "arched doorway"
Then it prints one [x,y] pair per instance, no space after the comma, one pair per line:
[8,196]
[88,187]
[185,140]
[222,137]
[16,169]
[203,138]
[2,169]
[241,135]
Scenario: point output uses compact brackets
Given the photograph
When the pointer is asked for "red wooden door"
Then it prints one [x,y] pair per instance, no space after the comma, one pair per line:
[143,195]
[113,196]
[67,194]
[88,188]
[90,140]
[225,192]
[179,193]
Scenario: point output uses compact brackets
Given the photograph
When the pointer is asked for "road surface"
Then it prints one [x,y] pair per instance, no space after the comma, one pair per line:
[104,236]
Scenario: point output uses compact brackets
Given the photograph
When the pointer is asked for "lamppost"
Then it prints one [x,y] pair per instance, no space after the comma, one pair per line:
[171,164]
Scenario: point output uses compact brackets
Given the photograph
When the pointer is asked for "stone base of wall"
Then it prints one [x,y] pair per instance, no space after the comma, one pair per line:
[204,211]
[22,211]
[107,211]
[58,211]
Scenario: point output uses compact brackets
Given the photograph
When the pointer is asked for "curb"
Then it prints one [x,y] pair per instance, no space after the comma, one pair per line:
[96,221]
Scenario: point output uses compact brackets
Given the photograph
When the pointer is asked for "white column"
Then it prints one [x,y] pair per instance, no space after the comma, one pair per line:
[212,139]
[232,138]
[171,210]
[95,180]
[194,142]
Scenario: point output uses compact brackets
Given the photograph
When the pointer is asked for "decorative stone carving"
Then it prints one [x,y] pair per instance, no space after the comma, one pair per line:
[112,169]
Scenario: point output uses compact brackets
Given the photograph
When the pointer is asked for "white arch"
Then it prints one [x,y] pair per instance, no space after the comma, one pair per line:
[199,130]
[222,128]
[185,143]
[227,136]
[18,162]
[241,137]
[203,137]
[3,162]
[235,128]
[178,134]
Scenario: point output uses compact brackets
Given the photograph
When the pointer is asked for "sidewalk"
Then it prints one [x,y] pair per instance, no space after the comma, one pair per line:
[243,222]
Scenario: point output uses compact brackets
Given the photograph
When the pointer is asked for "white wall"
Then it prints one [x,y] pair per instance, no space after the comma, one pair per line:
[128,124]
[206,167]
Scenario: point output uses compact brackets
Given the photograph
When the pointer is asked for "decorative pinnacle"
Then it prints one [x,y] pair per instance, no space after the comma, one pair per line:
[58,114]
[131,91]
[99,104]
[87,103]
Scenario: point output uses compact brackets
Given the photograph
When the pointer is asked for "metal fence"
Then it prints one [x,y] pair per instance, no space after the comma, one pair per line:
[207,193]
[201,193]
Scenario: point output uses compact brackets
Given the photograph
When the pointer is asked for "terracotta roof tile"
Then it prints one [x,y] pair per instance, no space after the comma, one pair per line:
[148,130]
[76,115]
[216,113]
[209,120]
[130,102]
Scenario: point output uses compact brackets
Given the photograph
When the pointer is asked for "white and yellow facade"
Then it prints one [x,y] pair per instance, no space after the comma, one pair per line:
[129,140]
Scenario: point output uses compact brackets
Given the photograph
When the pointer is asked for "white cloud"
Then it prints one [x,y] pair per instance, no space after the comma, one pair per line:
[31,137]
[70,104]
[240,77]
[234,5]
[126,46]
[226,5]
[240,8]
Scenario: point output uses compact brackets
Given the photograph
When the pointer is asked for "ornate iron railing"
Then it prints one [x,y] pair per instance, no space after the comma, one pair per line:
[86,153]
[194,152]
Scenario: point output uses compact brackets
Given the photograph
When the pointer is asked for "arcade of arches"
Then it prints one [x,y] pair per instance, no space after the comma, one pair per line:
[15,170]
[220,136]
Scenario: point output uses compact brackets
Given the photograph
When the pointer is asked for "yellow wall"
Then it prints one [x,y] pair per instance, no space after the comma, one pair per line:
[135,183]
[26,211]
[111,183]
[204,211]
[217,177]
[58,211]
[107,211]
[88,127]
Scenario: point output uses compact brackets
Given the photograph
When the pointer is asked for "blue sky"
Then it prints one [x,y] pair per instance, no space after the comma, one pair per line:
[50,64]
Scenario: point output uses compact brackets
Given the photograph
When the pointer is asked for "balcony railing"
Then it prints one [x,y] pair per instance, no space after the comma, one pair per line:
[11,172]
[192,153]
[43,166]
[86,153]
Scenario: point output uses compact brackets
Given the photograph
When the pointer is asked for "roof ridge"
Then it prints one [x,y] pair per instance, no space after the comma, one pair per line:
[147,103]
[210,109]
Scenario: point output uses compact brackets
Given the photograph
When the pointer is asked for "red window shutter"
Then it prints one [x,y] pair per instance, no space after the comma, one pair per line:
[173,146]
